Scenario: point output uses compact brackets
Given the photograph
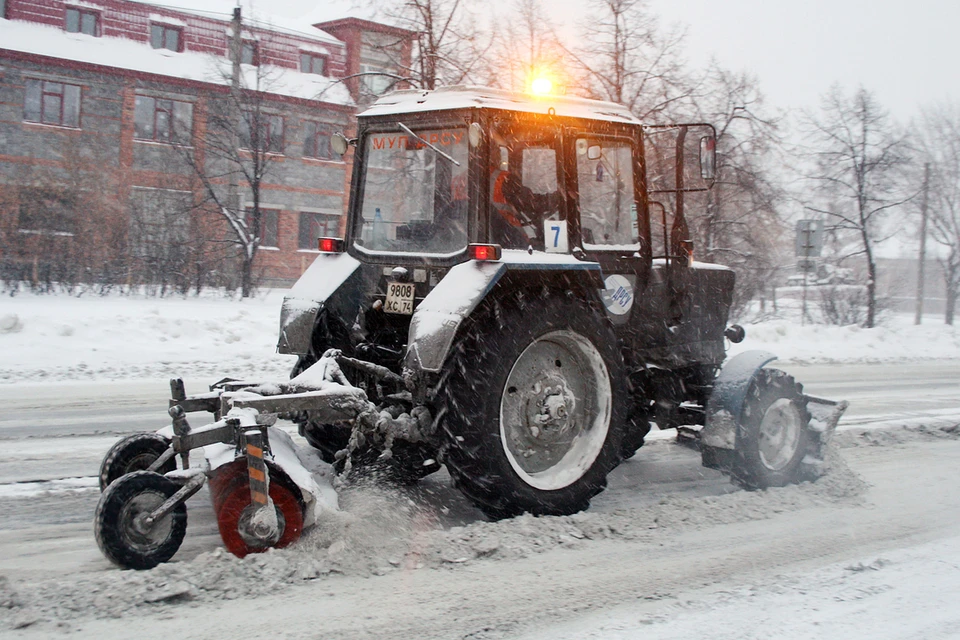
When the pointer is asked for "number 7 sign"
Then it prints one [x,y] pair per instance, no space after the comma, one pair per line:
[555,236]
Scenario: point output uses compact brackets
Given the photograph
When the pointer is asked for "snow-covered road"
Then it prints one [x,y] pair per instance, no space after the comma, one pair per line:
[667,545]
[670,550]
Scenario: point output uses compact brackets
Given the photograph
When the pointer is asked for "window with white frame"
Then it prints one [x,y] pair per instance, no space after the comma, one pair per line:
[316,225]
[164,36]
[262,131]
[55,103]
[375,82]
[160,224]
[313,63]
[82,21]
[47,211]
[269,220]
[316,140]
[163,120]
[250,53]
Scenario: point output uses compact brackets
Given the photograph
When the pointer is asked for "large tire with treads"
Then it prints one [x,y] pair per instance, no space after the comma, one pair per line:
[773,436]
[531,405]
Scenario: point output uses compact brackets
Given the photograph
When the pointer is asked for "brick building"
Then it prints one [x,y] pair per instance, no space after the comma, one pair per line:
[107,113]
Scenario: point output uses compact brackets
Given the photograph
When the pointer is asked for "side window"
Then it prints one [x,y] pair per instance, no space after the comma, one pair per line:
[608,210]
[523,190]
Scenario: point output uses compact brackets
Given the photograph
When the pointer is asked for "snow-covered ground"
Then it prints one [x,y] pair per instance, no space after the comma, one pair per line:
[58,337]
[669,550]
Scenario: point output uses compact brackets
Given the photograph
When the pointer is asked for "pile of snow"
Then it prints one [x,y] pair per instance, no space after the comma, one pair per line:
[60,337]
[895,339]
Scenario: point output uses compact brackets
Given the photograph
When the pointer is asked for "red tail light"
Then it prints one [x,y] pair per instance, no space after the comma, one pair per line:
[484,251]
[330,245]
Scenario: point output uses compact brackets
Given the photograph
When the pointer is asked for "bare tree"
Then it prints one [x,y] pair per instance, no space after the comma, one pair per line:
[526,46]
[859,159]
[243,138]
[627,58]
[450,45]
[63,225]
[740,221]
[940,146]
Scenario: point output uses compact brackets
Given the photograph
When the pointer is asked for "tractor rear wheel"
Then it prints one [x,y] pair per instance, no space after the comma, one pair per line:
[773,436]
[531,406]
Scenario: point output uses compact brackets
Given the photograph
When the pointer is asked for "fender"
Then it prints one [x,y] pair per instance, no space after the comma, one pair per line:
[436,320]
[729,393]
[318,284]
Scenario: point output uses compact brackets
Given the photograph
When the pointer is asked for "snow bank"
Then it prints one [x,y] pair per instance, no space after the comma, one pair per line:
[895,340]
[59,337]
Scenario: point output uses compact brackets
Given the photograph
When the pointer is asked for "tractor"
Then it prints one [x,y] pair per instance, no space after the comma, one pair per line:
[512,295]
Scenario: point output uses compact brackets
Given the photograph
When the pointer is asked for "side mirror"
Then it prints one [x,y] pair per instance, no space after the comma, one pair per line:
[474,134]
[594,152]
[708,158]
[339,143]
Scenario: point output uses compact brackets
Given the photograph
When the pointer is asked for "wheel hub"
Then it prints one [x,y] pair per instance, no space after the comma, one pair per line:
[135,528]
[261,527]
[549,408]
[780,434]
[554,409]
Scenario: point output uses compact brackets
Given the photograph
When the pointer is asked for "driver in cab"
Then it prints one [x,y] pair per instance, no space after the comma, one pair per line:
[517,212]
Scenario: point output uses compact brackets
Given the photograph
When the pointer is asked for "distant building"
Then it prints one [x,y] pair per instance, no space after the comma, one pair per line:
[100,100]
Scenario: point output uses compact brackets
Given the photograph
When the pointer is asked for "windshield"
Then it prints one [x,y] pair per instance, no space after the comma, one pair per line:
[413,199]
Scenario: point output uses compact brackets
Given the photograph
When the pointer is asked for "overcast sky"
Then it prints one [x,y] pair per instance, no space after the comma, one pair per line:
[903,50]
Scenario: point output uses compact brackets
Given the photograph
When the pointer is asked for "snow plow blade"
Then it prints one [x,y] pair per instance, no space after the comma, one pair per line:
[263,492]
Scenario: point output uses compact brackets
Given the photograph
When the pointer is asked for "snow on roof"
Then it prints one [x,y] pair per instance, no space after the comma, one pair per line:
[462,97]
[120,53]
[252,16]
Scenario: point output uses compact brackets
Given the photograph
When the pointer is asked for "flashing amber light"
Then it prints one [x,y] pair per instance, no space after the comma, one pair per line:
[484,252]
[541,86]
[330,245]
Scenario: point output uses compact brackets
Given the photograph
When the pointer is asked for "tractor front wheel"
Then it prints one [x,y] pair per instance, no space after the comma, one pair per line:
[773,436]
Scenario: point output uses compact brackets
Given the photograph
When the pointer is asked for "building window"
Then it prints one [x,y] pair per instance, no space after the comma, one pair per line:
[377,83]
[313,63]
[163,120]
[316,141]
[160,228]
[262,131]
[47,211]
[316,225]
[52,103]
[83,21]
[268,226]
[165,37]
[3,8]
[250,53]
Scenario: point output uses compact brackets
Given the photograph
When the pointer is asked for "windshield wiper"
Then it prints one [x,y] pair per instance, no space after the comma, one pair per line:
[443,153]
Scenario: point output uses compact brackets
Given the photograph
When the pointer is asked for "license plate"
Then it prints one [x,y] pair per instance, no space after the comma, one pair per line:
[399,298]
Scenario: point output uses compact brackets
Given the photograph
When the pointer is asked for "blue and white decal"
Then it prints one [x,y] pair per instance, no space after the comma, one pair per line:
[617,295]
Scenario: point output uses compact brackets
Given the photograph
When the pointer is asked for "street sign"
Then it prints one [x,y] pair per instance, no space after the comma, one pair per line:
[809,241]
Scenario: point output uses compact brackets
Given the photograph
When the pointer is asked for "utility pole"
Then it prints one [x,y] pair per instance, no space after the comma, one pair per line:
[923,243]
[236,49]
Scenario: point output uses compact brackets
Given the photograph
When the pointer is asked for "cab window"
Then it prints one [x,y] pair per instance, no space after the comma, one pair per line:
[608,209]
[523,188]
